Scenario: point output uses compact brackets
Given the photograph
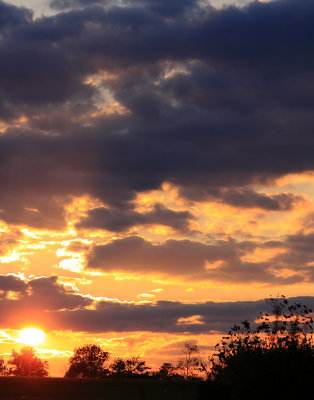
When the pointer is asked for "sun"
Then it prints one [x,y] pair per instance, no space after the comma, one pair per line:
[32,336]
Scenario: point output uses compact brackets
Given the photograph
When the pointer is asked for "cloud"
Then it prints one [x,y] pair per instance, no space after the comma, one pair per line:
[244,198]
[8,241]
[36,299]
[37,212]
[249,199]
[299,254]
[53,296]
[164,7]
[217,102]
[12,283]
[166,316]
[11,16]
[174,257]
[77,246]
[224,261]
[47,301]
[118,221]
[65,4]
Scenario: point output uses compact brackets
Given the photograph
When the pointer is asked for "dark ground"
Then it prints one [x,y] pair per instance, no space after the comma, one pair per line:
[12,388]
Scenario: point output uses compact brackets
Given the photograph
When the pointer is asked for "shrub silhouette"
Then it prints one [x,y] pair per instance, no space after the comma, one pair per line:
[88,362]
[26,363]
[273,359]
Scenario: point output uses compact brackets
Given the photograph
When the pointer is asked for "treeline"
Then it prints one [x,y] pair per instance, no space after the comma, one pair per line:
[91,361]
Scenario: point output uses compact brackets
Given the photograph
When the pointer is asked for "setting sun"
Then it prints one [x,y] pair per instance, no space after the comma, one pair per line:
[32,336]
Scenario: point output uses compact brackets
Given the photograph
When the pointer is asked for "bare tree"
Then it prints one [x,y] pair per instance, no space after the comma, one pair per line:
[190,362]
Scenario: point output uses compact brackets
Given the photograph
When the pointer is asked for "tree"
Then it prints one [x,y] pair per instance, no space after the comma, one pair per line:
[166,370]
[118,367]
[3,367]
[129,367]
[190,364]
[26,363]
[88,362]
[278,352]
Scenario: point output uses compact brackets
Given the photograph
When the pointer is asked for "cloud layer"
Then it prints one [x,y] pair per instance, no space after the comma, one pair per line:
[59,308]
[211,100]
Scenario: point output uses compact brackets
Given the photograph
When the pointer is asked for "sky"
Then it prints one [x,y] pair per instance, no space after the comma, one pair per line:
[156,170]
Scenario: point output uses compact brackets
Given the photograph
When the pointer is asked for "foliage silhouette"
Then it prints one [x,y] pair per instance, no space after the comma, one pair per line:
[278,353]
[130,367]
[88,361]
[166,371]
[26,363]
[3,367]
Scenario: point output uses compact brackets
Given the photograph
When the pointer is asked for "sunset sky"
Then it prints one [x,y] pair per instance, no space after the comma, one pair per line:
[156,170]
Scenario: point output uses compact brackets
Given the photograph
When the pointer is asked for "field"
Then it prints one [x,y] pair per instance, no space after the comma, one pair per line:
[12,388]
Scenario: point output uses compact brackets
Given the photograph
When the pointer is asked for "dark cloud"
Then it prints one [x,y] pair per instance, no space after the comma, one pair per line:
[164,7]
[39,212]
[301,243]
[245,198]
[223,261]
[118,221]
[11,16]
[46,300]
[65,4]
[77,246]
[12,283]
[174,257]
[52,295]
[41,294]
[218,101]
[250,199]
[164,316]
[299,253]
[159,7]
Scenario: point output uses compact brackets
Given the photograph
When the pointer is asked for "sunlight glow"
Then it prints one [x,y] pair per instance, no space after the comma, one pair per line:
[32,336]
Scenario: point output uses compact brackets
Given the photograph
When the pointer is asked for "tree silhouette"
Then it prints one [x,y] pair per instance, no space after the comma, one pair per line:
[278,353]
[88,362]
[129,367]
[190,363]
[3,367]
[166,370]
[26,363]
